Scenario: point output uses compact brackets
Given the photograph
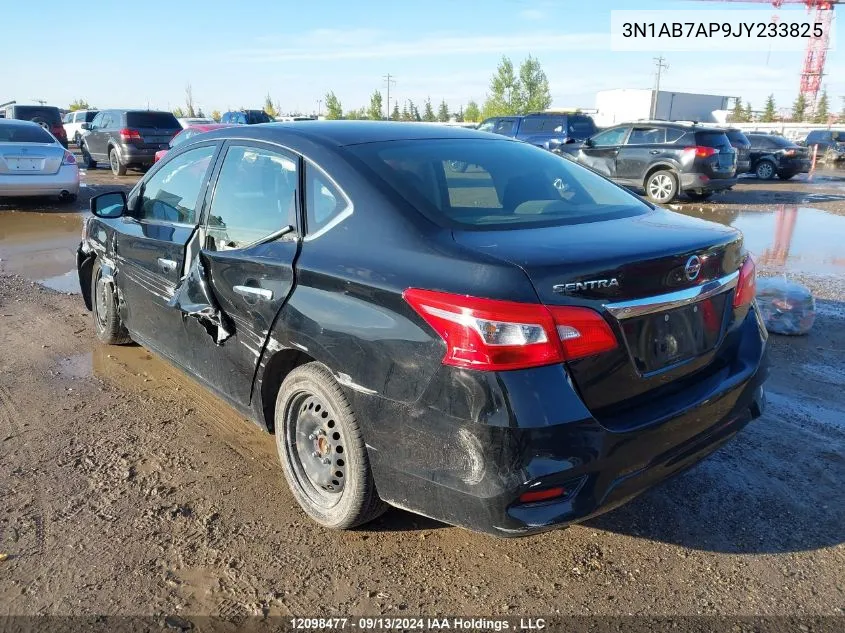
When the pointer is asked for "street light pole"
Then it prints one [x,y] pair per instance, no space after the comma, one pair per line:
[661,66]
[319,107]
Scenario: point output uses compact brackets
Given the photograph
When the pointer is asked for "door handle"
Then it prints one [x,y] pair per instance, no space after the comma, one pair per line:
[251,292]
[654,151]
[166,265]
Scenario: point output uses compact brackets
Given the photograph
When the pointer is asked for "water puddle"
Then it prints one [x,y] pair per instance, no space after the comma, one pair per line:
[788,238]
[79,366]
[41,247]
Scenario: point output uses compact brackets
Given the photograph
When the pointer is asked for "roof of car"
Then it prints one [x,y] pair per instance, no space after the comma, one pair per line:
[340,133]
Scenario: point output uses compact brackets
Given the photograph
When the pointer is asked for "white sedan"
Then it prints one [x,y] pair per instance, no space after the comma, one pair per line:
[34,163]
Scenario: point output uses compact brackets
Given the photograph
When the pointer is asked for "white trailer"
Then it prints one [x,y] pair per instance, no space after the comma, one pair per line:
[618,106]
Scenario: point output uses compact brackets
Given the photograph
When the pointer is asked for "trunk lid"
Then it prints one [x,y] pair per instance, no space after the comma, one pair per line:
[645,257]
[36,159]
[155,128]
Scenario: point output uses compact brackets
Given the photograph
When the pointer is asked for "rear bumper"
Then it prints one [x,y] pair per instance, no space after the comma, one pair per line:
[475,442]
[705,182]
[132,155]
[801,166]
[66,179]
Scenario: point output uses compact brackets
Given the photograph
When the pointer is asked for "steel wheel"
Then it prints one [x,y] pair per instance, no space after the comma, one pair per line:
[661,187]
[114,162]
[316,446]
[101,301]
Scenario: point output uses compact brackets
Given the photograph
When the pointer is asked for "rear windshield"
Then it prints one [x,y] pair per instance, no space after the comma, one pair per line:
[712,139]
[51,115]
[492,184]
[160,120]
[581,127]
[736,136]
[24,134]
[258,116]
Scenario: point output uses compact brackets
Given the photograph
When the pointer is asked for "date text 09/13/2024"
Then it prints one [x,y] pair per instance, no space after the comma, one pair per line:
[419,623]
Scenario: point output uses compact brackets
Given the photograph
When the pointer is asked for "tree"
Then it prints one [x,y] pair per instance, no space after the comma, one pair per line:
[472,113]
[428,112]
[505,96]
[749,113]
[770,110]
[395,115]
[822,109]
[535,95]
[738,114]
[443,112]
[408,113]
[799,108]
[269,108]
[459,117]
[354,115]
[334,110]
[216,116]
[189,101]
[79,104]
[200,113]
[178,112]
[375,110]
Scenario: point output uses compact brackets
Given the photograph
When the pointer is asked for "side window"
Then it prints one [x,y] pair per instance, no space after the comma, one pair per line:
[532,125]
[68,118]
[182,137]
[105,123]
[505,126]
[613,136]
[487,126]
[673,134]
[325,202]
[98,120]
[171,193]
[646,136]
[255,196]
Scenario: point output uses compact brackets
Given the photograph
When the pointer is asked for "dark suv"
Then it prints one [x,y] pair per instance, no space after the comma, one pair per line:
[772,154]
[127,138]
[831,143]
[47,117]
[560,132]
[663,159]
[246,117]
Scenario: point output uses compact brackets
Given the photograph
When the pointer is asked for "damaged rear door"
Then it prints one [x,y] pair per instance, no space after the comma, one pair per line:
[244,264]
[150,246]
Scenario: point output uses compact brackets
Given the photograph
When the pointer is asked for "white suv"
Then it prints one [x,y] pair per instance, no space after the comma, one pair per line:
[73,123]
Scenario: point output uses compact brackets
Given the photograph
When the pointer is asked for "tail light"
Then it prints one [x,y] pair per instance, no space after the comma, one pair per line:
[700,151]
[489,334]
[128,135]
[533,496]
[69,159]
[58,131]
[789,152]
[746,286]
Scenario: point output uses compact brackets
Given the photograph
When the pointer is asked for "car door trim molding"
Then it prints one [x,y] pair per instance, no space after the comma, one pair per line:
[649,305]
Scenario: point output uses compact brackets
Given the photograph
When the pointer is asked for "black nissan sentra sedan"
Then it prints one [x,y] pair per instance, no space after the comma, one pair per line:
[508,347]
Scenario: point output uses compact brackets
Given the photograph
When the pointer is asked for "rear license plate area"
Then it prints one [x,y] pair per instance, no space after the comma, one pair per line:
[24,164]
[657,341]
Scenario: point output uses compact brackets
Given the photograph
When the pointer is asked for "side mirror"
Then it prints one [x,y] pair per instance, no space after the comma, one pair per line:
[588,143]
[109,205]
[85,126]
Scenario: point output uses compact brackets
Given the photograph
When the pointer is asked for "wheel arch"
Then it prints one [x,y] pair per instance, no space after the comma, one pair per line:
[277,367]
[662,166]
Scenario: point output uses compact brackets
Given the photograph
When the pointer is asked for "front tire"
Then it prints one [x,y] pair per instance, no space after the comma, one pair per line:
[107,322]
[661,187]
[322,450]
[765,170]
[90,163]
[117,168]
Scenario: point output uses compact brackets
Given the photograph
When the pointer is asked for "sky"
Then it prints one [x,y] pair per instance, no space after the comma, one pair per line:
[142,54]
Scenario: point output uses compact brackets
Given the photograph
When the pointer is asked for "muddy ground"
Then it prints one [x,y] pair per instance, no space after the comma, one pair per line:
[127,489]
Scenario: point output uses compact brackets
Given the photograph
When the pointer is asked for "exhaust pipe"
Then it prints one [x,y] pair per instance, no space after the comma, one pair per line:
[64,195]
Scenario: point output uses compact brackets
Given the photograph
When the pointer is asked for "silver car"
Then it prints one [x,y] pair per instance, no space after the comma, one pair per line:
[34,163]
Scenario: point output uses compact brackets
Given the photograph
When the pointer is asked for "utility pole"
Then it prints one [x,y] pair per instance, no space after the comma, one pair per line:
[319,107]
[388,79]
[659,62]
[40,101]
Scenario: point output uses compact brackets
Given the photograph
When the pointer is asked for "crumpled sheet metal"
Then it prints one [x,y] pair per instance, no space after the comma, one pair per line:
[194,297]
[786,307]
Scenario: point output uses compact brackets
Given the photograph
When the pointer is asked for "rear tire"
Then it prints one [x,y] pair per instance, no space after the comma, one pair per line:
[322,450]
[117,168]
[765,170]
[90,163]
[107,323]
[661,187]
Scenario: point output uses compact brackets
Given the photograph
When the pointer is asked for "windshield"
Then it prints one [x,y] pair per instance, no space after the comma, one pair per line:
[490,184]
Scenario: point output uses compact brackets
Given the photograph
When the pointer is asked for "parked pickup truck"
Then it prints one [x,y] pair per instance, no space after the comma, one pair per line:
[554,131]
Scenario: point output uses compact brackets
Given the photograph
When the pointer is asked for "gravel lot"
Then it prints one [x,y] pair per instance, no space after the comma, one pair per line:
[127,489]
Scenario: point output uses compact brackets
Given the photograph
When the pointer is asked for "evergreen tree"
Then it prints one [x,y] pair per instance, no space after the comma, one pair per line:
[799,108]
[770,110]
[428,112]
[269,108]
[749,113]
[822,109]
[395,115]
[443,112]
[738,114]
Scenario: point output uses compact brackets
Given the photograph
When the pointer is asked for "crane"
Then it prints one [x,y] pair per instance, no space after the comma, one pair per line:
[814,58]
